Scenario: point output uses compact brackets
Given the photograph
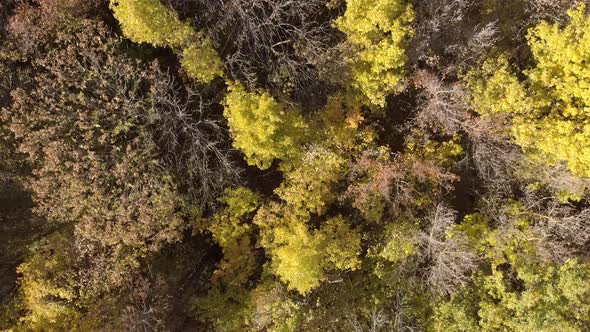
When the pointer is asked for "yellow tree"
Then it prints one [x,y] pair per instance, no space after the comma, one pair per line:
[262,128]
[309,187]
[301,257]
[550,110]
[378,31]
[149,21]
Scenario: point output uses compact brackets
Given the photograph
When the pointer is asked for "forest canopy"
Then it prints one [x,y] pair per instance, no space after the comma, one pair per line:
[281,165]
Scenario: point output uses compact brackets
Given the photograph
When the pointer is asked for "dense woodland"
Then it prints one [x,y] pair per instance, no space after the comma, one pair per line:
[294,165]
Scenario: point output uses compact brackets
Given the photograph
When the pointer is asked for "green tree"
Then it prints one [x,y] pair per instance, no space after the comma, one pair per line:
[517,290]
[533,298]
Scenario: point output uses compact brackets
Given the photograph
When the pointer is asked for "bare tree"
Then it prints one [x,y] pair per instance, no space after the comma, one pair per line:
[268,42]
[147,306]
[561,230]
[551,10]
[450,34]
[566,236]
[193,141]
[450,261]
[493,156]
[443,106]
[557,178]
[393,318]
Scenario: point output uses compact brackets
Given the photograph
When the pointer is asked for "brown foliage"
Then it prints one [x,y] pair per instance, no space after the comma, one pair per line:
[96,166]
[34,25]
[400,183]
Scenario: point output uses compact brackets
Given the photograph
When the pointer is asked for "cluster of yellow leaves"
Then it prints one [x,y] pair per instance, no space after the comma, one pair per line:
[309,188]
[48,292]
[262,128]
[339,124]
[400,242]
[445,154]
[378,30]
[550,111]
[301,257]
[232,232]
[201,61]
[149,21]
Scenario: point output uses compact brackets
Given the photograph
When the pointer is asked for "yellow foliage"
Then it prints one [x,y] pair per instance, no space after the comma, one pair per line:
[496,90]
[149,21]
[550,112]
[262,128]
[48,292]
[232,233]
[297,260]
[309,188]
[445,154]
[562,56]
[201,62]
[378,31]
[340,124]
[400,242]
[341,244]
[300,257]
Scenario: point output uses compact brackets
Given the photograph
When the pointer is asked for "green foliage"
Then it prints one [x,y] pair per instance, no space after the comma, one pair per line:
[272,309]
[541,298]
[378,30]
[340,244]
[496,90]
[262,128]
[267,307]
[399,243]
[516,291]
[561,56]
[296,259]
[226,309]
